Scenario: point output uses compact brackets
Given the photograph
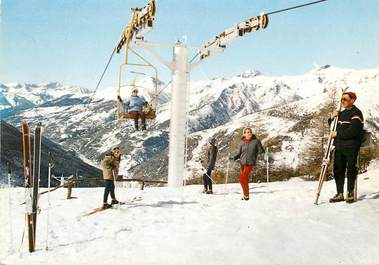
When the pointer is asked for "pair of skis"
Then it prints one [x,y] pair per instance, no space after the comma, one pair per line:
[100,209]
[328,150]
[31,181]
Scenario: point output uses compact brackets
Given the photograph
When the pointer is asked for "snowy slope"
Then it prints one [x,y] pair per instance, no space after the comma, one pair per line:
[279,225]
[218,107]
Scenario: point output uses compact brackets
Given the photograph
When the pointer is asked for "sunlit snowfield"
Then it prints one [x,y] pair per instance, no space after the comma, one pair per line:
[279,225]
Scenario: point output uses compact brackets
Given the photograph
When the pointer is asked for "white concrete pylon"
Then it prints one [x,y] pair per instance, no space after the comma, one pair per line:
[180,76]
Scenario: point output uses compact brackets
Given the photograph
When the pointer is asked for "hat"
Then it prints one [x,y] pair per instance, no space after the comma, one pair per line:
[247,128]
[134,89]
[352,95]
[212,141]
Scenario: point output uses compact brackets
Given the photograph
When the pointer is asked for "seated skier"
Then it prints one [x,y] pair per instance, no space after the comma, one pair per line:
[134,105]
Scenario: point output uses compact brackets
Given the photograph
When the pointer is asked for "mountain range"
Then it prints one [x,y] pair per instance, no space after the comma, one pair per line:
[278,108]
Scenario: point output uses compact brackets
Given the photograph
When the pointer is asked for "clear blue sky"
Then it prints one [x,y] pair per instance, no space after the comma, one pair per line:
[70,41]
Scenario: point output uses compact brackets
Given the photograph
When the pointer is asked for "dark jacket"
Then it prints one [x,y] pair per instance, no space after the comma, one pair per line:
[249,150]
[349,128]
[211,157]
[110,167]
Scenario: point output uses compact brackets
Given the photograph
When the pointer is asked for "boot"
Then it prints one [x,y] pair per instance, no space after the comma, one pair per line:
[106,206]
[245,198]
[337,198]
[350,197]
[114,201]
[209,192]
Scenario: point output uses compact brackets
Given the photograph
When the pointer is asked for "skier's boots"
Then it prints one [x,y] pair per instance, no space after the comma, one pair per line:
[114,201]
[106,206]
[209,192]
[350,197]
[245,198]
[337,198]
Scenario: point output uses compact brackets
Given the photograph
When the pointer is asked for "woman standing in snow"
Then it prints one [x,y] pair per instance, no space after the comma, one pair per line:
[248,151]
[110,165]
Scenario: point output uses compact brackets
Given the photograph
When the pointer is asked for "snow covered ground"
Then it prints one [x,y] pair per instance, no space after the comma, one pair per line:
[279,225]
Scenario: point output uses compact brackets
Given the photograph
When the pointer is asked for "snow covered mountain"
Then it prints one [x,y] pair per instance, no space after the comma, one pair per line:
[277,107]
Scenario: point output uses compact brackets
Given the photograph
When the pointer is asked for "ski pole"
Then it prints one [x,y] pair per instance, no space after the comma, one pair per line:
[10,207]
[356,177]
[214,182]
[114,185]
[227,172]
[48,200]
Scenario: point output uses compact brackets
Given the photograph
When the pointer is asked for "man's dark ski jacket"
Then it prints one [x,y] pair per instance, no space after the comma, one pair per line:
[349,128]
[211,157]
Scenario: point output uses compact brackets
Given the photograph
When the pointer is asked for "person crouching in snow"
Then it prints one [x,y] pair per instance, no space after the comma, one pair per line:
[248,151]
[211,161]
[110,165]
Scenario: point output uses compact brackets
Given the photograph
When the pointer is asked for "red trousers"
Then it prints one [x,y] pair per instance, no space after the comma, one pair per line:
[244,178]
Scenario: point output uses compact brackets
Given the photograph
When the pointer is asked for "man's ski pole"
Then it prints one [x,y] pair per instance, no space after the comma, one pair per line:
[50,158]
[10,208]
[214,182]
[227,172]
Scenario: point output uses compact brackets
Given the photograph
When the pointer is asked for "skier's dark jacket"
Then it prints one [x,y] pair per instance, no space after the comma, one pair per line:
[349,128]
[211,157]
[249,150]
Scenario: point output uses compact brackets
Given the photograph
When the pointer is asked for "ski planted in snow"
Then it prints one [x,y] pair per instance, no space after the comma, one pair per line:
[28,182]
[36,174]
[100,209]
[328,150]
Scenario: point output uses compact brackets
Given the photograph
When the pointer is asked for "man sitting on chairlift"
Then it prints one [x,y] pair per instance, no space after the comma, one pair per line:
[134,106]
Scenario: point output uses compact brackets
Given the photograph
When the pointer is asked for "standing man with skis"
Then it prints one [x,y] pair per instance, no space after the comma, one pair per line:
[347,141]
[111,164]
[211,162]
[248,151]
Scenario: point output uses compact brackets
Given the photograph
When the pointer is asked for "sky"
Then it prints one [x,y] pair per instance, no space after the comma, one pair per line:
[71,41]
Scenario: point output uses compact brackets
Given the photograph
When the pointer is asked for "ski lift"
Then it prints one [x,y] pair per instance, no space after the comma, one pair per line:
[149,109]
[141,22]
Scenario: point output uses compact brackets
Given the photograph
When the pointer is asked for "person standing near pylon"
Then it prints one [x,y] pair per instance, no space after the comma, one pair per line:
[248,151]
[347,141]
[211,162]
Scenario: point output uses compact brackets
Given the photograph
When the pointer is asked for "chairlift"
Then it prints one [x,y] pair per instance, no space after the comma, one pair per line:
[150,108]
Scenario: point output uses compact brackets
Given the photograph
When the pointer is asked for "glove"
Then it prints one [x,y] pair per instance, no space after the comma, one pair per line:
[231,158]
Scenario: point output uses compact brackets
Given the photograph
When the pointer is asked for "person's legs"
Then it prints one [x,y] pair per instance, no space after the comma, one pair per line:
[205,182]
[244,179]
[106,190]
[339,169]
[112,190]
[136,122]
[143,120]
[209,172]
[351,157]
